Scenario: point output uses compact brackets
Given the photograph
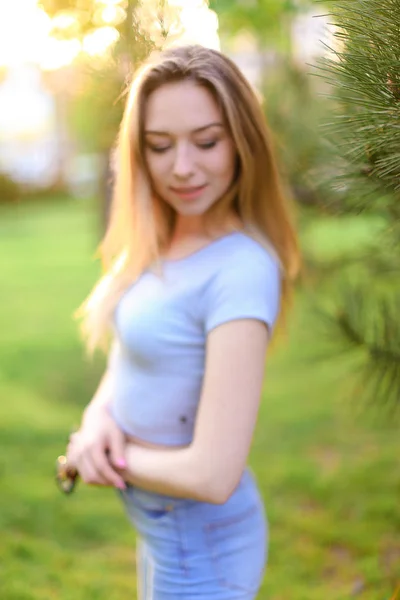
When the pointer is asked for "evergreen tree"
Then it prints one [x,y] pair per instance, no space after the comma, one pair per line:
[363,70]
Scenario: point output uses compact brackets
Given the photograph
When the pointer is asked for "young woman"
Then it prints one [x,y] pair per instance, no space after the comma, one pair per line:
[199,256]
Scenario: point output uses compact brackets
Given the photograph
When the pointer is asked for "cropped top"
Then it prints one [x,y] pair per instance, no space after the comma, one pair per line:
[161,323]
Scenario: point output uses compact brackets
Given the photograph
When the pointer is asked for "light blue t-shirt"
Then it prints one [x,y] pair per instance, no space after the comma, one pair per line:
[161,325]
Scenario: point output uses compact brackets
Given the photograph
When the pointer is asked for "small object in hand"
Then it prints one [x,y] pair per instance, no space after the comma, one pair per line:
[66,477]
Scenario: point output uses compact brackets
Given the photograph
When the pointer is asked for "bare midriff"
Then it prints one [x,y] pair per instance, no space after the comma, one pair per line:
[144,444]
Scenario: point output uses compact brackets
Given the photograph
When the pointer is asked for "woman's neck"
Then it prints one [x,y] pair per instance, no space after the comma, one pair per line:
[190,236]
[195,228]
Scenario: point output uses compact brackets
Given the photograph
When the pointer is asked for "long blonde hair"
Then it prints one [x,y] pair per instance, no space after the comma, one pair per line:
[141,225]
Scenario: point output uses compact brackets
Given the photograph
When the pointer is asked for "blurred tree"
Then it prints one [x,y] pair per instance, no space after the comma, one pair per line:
[269,21]
[137,23]
[294,117]
[292,105]
[142,25]
[134,29]
[9,189]
[364,70]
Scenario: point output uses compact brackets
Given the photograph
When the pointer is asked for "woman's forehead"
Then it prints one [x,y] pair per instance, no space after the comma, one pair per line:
[181,106]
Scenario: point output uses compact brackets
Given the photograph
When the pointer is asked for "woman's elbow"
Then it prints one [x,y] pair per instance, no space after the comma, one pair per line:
[214,481]
[217,489]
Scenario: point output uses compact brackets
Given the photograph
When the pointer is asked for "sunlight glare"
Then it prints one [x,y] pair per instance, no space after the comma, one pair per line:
[64,20]
[111,2]
[199,22]
[59,53]
[109,13]
[185,21]
[29,40]
[97,42]
[22,39]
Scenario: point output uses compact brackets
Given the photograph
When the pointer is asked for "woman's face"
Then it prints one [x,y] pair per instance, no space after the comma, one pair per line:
[189,152]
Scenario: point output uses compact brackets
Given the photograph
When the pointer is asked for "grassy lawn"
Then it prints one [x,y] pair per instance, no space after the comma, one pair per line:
[329,472]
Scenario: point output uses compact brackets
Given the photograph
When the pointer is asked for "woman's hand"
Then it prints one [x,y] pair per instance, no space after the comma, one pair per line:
[97,450]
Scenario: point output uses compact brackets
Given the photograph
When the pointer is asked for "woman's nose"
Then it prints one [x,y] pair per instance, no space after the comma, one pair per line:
[183,163]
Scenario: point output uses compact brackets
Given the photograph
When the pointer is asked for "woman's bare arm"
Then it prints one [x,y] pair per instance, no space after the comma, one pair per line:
[99,446]
[210,468]
[102,396]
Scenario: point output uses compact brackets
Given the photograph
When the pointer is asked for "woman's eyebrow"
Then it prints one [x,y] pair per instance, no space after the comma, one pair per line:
[198,130]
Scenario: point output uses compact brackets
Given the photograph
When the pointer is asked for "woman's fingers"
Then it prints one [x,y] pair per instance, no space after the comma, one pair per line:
[89,473]
[91,462]
[106,470]
[102,469]
[72,452]
[98,458]
[117,449]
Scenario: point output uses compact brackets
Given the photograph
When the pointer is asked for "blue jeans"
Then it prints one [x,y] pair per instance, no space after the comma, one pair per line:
[192,550]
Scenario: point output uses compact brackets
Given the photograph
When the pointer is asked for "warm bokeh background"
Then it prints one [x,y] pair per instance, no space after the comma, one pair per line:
[326,461]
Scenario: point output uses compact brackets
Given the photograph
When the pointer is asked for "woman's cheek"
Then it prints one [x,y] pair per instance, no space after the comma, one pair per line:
[221,166]
[158,168]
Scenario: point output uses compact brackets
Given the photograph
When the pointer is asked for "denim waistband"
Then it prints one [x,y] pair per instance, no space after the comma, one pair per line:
[162,501]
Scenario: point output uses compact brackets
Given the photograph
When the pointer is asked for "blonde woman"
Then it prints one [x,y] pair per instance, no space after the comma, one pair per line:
[199,256]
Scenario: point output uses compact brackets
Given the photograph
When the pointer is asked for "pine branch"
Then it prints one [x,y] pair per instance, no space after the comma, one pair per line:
[371,327]
[364,72]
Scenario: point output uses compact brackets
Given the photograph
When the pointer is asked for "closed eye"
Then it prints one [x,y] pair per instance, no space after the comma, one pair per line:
[162,149]
[158,149]
[207,145]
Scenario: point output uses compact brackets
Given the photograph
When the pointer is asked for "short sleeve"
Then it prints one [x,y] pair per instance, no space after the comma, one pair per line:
[246,288]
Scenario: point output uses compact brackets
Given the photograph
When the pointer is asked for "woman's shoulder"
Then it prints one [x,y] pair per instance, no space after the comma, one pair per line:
[246,282]
[245,250]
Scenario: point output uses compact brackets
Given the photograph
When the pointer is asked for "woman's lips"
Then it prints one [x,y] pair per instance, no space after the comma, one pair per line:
[189,193]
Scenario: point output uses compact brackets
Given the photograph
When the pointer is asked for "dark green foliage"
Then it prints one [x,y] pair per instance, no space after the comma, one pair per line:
[363,70]
[365,75]
[293,117]
[366,325]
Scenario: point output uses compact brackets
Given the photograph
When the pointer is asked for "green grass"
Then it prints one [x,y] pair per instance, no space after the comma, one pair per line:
[329,472]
